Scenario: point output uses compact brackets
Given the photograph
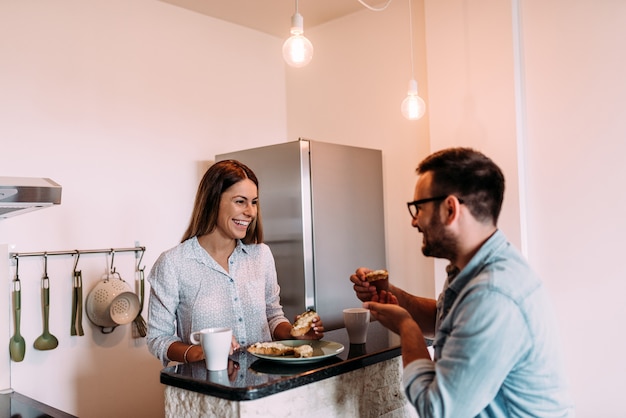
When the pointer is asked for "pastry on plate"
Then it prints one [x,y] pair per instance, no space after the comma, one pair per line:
[280,349]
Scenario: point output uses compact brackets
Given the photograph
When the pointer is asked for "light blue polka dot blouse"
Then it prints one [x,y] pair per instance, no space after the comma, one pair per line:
[191,291]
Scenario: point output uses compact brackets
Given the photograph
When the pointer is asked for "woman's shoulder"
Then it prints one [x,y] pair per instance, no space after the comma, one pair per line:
[178,248]
[183,250]
[257,250]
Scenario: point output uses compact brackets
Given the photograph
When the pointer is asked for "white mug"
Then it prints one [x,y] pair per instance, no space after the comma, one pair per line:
[216,344]
[357,321]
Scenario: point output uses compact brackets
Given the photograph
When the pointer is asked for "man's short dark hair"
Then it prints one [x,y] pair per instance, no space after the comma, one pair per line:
[469,175]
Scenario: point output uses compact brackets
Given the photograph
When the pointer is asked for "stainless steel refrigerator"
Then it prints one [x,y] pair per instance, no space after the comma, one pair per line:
[322,211]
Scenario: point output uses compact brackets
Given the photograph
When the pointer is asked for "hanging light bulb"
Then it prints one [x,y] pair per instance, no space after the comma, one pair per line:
[413,106]
[297,50]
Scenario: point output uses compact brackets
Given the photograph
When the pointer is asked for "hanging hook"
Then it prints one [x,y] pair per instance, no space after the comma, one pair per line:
[17,267]
[76,261]
[112,269]
[143,251]
[45,264]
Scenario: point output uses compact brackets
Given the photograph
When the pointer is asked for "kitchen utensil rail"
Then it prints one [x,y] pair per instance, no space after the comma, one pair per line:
[112,251]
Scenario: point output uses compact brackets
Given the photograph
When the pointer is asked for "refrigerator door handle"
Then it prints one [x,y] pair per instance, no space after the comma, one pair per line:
[307,225]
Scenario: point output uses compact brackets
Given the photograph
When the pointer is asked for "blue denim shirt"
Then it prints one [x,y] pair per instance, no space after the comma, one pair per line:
[497,351]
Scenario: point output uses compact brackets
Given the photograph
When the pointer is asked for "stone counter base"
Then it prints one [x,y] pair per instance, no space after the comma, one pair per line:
[374,391]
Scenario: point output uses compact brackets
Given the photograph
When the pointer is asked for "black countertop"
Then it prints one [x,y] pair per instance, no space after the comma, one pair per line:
[257,378]
[16,405]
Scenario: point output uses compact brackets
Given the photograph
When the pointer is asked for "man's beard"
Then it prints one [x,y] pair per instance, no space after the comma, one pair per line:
[437,242]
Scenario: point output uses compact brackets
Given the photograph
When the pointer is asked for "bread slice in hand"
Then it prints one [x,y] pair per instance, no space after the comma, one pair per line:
[303,324]
[375,275]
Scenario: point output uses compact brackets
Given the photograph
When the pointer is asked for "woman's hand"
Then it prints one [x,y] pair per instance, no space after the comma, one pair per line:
[316,332]
[233,369]
[283,331]
[234,345]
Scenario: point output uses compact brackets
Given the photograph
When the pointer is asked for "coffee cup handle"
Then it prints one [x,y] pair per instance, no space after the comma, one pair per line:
[193,337]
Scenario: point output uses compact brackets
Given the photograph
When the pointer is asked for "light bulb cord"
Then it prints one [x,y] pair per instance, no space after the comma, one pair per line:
[411,39]
[373,8]
[297,22]
[380,9]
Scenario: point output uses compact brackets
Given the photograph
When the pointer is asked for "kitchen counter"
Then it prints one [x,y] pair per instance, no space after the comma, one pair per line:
[16,405]
[363,380]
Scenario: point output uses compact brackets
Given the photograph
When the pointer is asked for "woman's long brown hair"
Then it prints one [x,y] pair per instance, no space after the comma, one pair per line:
[219,178]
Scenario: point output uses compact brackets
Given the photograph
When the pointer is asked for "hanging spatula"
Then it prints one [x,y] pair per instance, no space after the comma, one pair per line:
[77,305]
[79,298]
[140,323]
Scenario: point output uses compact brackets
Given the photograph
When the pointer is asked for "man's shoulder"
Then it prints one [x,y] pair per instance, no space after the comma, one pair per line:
[507,273]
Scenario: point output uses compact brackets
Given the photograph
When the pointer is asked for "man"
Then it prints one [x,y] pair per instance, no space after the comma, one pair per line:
[496,351]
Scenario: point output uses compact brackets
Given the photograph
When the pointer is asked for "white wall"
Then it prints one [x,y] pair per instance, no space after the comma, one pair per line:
[574,70]
[6,327]
[123,103]
[351,93]
[472,90]
[567,127]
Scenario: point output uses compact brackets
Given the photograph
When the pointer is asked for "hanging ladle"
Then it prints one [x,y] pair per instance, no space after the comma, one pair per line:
[45,341]
[17,345]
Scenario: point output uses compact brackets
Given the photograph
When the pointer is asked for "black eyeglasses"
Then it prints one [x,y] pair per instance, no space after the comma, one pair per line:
[413,206]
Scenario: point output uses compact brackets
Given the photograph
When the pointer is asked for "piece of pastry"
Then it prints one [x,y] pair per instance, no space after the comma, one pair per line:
[303,351]
[303,324]
[271,349]
[280,349]
[375,275]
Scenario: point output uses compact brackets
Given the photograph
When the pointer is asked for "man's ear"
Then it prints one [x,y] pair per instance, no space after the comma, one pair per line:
[451,208]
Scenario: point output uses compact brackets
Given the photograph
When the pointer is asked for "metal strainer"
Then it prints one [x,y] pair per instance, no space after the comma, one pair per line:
[111,303]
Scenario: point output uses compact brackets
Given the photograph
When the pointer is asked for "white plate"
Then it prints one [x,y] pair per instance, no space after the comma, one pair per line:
[321,351]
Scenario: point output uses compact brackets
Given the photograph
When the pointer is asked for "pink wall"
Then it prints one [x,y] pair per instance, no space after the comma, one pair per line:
[575,66]
[351,93]
[124,104]
[539,86]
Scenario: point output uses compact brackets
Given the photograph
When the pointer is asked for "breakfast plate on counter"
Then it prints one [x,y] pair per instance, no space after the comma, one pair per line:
[321,351]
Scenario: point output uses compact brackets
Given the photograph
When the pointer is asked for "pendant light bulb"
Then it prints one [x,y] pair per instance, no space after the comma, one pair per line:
[413,106]
[297,50]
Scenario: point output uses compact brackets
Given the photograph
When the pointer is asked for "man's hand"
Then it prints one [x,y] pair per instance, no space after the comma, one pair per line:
[365,290]
[385,296]
[399,320]
[391,316]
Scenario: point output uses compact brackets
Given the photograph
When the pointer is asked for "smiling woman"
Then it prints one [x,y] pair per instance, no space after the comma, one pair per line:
[220,275]
[237,210]
[215,189]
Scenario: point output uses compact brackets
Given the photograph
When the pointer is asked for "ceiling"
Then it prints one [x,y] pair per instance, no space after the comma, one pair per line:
[273,16]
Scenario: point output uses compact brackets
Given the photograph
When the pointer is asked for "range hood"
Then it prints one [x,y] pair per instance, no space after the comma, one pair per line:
[19,195]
